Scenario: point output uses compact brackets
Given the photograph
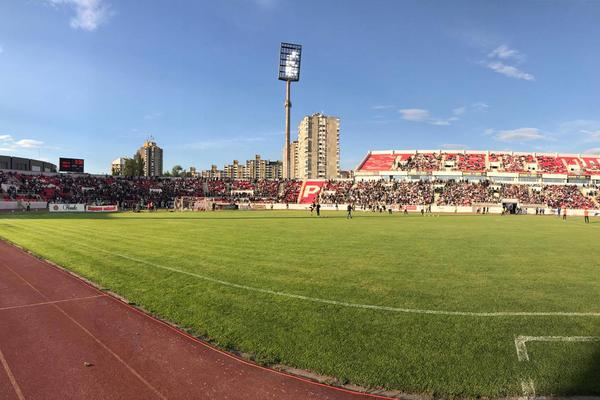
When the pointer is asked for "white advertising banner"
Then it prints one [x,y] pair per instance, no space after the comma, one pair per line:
[66,208]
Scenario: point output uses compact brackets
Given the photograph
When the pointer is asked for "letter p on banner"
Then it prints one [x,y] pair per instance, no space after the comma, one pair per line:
[310,191]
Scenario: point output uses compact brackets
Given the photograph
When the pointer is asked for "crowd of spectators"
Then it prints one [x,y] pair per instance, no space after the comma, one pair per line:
[127,192]
[478,162]
[376,193]
[422,162]
[466,194]
[551,165]
[566,197]
[471,162]
[290,191]
[88,189]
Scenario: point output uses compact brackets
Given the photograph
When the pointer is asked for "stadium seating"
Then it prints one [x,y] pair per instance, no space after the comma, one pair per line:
[64,188]
[378,162]
[471,162]
[591,164]
[480,162]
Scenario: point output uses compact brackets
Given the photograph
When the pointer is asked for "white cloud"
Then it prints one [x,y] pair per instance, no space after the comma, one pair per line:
[594,151]
[89,14]
[519,134]
[28,144]
[594,135]
[580,130]
[382,107]
[459,110]
[480,106]
[440,122]
[414,114]
[510,71]
[496,62]
[504,52]
[8,143]
[421,115]
[477,107]
[580,125]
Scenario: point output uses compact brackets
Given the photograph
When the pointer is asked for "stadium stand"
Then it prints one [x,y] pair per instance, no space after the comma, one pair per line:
[400,178]
[378,162]
[479,161]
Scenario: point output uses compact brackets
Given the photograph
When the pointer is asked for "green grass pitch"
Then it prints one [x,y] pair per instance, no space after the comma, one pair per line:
[297,290]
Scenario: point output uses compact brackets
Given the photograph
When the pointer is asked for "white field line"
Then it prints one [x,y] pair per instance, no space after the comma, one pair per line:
[528,385]
[347,304]
[521,341]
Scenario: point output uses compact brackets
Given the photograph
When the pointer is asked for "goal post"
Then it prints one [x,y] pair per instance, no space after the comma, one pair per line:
[191,203]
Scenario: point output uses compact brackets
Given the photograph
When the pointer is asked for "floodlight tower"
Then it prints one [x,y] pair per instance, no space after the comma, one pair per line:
[289,71]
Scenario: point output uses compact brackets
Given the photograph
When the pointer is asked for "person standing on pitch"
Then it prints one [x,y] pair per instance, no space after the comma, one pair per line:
[586,215]
[349,215]
[318,208]
[565,214]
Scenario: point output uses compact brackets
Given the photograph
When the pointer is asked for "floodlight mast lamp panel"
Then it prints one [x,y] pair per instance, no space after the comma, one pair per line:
[289,62]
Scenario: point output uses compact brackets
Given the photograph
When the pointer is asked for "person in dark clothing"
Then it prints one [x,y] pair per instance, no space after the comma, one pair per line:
[318,208]
[349,215]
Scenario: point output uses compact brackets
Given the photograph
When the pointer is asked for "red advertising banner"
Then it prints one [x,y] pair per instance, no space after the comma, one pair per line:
[110,208]
[310,191]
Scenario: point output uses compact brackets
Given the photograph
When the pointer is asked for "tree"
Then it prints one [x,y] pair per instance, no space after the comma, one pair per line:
[129,167]
[134,166]
[139,164]
[176,170]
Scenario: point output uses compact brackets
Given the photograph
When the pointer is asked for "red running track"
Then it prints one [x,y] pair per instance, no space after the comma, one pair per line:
[61,338]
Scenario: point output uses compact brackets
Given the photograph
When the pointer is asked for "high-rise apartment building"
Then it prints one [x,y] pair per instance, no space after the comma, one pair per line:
[293,160]
[235,170]
[316,154]
[257,168]
[153,158]
[213,172]
[273,170]
[263,169]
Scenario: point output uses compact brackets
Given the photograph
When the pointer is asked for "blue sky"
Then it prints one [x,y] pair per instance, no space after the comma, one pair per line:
[94,78]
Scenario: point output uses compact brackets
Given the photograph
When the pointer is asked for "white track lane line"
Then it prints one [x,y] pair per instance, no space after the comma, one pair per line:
[11,377]
[94,338]
[51,302]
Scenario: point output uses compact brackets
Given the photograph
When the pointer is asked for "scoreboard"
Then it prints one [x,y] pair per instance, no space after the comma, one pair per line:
[71,165]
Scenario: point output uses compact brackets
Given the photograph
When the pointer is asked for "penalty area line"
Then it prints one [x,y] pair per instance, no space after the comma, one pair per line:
[348,304]
[528,385]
